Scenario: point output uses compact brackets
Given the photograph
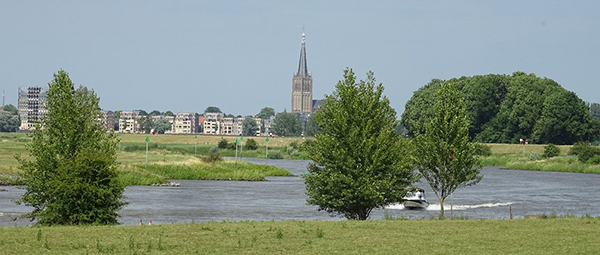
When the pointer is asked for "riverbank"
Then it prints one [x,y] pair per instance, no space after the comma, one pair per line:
[539,236]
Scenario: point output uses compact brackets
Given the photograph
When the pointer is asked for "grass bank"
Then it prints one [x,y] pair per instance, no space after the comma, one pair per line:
[539,236]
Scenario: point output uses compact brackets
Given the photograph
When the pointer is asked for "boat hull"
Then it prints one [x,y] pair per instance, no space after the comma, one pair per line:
[415,204]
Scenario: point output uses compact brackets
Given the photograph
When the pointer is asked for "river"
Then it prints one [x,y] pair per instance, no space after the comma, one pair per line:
[284,198]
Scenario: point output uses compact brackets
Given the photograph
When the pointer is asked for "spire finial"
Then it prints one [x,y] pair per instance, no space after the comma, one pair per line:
[303,35]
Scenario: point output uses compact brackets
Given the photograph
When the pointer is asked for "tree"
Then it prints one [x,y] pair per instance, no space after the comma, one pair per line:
[169,113]
[249,126]
[145,123]
[155,113]
[142,112]
[9,122]
[71,174]
[311,128]
[251,144]
[594,110]
[287,124]
[212,109]
[11,108]
[443,154]
[266,113]
[359,161]
[161,125]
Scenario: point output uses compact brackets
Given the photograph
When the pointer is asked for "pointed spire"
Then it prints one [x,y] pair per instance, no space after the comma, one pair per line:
[302,67]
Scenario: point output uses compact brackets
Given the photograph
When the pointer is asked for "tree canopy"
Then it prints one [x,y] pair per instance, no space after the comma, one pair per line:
[9,122]
[212,109]
[249,126]
[359,161]
[443,154]
[70,176]
[266,113]
[506,108]
[10,108]
[287,124]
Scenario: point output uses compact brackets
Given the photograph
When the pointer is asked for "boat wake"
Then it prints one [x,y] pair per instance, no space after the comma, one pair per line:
[437,207]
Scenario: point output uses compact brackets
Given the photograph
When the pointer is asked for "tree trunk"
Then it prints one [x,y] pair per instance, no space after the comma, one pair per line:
[442,209]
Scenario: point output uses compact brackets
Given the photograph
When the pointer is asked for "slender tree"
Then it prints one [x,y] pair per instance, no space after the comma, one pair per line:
[443,154]
[287,124]
[359,161]
[70,176]
[249,126]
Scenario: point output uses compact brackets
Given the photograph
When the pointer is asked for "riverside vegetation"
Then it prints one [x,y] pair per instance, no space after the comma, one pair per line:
[548,235]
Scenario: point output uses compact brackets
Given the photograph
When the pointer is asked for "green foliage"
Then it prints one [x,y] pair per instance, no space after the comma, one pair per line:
[504,109]
[71,176]
[9,122]
[266,113]
[311,128]
[287,124]
[482,150]
[595,160]
[594,110]
[534,157]
[584,151]
[231,146]
[359,162]
[249,126]
[222,143]
[11,108]
[251,144]
[550,150]
[443,154]
[212,109]
[275,154]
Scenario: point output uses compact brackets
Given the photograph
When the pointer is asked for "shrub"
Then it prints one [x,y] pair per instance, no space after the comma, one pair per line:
[251,144]
[214,149]
[483,150]
[212,157]
[231,146]
[534,156]
[273,154]
[550,150]
[595,160]
[222,143]
[294,145]
[307,143]
[584,151]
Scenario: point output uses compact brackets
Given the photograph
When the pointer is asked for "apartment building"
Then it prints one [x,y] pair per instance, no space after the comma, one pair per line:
[185,123]
[31,106]
[129,122]
[107,118]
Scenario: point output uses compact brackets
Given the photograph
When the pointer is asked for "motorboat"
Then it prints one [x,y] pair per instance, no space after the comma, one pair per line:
[415,200]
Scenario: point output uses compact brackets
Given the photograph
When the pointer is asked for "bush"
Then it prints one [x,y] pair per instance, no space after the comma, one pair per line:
[251,144]
[222,143]
[214,149]
[584,151]
[306,144]
[534,156]
[550,150]
[231,146]
[292,151]
[273,154]
[595,160]
[483,150]
[213,156]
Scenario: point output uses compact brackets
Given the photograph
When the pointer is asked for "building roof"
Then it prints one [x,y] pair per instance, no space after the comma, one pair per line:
[302,66]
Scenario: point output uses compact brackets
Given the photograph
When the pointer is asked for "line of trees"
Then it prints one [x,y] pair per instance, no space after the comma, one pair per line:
[506,108]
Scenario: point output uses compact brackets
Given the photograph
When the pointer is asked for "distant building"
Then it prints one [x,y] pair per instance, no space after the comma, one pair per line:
[31,106]
[302,82]
[212,123]
[185,123]
[108,119]
[129,122]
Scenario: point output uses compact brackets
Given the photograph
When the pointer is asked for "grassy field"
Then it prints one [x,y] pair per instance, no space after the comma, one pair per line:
[169,157]
[538,236]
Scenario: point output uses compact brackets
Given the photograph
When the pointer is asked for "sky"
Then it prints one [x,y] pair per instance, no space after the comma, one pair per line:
[240,56]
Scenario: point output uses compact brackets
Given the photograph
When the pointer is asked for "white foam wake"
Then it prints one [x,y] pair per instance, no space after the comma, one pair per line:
[437,207]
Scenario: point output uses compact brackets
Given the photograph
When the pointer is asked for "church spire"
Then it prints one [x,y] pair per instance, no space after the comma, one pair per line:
[302,66]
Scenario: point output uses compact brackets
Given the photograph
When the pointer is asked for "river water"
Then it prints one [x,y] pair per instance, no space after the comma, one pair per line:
[284,198]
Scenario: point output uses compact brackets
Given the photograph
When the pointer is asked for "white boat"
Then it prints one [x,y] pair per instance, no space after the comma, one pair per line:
[415,199]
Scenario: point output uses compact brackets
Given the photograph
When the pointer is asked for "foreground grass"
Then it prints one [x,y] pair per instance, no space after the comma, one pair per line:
[540,236]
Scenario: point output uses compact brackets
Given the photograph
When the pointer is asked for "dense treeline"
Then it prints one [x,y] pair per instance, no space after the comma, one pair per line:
[506,108]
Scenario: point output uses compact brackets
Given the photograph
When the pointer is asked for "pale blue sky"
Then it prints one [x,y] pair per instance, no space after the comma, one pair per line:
[241,55]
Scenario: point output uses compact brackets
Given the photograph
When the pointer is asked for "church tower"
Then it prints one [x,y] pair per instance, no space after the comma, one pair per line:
[302,98]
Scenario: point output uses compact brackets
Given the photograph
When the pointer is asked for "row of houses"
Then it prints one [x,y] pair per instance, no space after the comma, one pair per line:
[188,123]
[32,108]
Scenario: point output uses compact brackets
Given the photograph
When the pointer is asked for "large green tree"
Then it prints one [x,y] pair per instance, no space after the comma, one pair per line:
[443,154]
[71,176]
[266,113]
[249,126]
[359,161]
[212,109]
[287,124]
[9,122]
[10,108]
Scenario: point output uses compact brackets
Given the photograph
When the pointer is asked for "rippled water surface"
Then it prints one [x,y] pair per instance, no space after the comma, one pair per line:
[284,198]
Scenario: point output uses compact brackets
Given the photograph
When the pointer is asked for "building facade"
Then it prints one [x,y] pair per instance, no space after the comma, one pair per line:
[302,82]
[129,122]
[31,106]
[185,123]
[107,118]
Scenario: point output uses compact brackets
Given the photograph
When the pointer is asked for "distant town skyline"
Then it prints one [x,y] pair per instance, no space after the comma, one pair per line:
[240,56]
